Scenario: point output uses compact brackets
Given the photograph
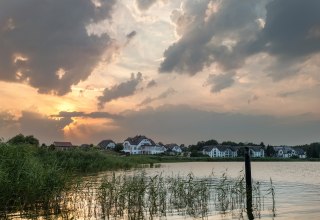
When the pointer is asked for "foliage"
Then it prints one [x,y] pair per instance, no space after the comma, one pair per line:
[270,152]
[118,147]
[21,139]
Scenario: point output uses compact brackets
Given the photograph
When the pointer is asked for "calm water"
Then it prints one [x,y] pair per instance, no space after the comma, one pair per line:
[297,190]
[297,184]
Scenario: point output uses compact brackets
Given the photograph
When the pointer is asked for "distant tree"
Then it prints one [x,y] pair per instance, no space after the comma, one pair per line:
[118,147]
[270,152]
[313,151]
[229,143]
[262,144]
[21,139]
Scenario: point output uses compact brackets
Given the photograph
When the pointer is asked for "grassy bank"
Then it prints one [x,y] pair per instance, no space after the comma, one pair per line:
[31,176]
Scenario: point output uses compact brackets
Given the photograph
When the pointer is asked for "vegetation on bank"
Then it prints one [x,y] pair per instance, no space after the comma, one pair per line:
[30,175]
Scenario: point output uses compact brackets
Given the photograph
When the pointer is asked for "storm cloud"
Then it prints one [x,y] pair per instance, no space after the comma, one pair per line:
[226,33]
[121,90]
[46,43]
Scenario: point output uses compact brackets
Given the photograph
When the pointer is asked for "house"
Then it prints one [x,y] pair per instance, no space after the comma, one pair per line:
[256,151]
[220,151]
[141,145]
[58,145]
[287,152]
[107,144]
[301,153]
[173,149]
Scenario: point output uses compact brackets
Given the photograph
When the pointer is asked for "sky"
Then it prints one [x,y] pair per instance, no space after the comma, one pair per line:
[177,71]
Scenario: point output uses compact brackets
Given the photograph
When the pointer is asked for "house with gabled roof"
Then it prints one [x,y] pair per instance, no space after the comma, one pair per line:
[173,148]
[256,151]
[141,145]
[62,145]
[107,144]
[287,152]
[220,151]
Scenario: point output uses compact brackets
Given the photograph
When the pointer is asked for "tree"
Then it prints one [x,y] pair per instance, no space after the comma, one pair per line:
[118,147]
[21,139]
[270,152]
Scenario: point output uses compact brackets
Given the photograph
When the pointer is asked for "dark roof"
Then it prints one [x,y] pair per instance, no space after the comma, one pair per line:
[299,151]
[219,147]
[255,148]
[171,146]
[62,144]
[137,139]
[105,143]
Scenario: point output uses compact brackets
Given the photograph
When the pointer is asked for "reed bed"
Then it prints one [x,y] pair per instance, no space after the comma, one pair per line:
[136,195]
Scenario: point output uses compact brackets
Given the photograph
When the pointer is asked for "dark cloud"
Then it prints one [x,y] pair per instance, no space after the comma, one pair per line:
[145,4]
[227,32]
[46,43]
[65,114]
[291,28]
[121,90]
[210,35]
[184,124]
[220,82]
[165,94]
[151,83]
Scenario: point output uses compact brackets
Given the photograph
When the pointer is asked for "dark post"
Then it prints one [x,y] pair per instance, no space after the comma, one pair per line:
[248,183]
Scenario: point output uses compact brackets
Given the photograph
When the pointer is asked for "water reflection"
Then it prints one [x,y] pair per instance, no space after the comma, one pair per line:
[188,191]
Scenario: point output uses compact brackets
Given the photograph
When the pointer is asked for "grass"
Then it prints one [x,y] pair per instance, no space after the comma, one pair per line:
[32,177]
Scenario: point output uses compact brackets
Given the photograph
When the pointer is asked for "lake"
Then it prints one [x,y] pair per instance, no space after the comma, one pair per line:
[296,186]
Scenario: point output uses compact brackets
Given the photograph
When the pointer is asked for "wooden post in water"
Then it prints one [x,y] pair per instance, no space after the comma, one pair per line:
[248,183]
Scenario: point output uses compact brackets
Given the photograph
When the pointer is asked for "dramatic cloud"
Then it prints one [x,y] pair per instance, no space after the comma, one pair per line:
[65,114]
[220,82]
[46,43]
[210,31]
[292,28]
[226,33]
[121,90]
[165,94]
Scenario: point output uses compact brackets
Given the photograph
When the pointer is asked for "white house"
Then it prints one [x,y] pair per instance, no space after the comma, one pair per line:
[256,151]
[287,152]
[220,151]
[173,148]
[141,145]
[107,144]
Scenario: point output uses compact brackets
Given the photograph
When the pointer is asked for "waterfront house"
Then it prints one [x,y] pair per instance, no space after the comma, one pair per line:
[220,151]
[107,144]
[287,152]
[256,151]
[60,145]
[173,149]
[141,145]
